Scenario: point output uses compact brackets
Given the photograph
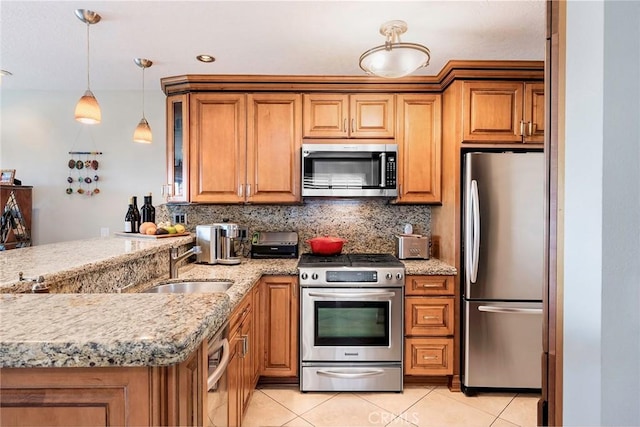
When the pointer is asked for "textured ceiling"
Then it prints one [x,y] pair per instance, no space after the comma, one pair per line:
[44,45]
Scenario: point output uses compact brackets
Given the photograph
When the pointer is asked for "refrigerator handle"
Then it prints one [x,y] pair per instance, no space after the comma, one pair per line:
[467,234]
[509,310]
[475,230]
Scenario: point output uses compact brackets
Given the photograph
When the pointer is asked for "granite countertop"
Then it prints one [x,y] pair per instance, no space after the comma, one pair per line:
[97,330]
[59,261]
[128,329]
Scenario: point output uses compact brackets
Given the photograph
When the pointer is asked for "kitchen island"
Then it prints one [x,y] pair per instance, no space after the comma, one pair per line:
[148,350]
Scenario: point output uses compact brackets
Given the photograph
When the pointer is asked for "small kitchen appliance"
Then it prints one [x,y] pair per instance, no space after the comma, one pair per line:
[218,243]
[412,246]
[266,244]
[351,322]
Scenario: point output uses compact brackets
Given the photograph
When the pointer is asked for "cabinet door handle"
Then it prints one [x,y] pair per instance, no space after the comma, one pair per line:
[522,128]
[248,190]
[530,128]
[240,188]
[344,125]
[353,125]
[245,345]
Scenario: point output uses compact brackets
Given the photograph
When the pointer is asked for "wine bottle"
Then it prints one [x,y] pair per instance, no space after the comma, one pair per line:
[130,218]
[136,213]
[147,210]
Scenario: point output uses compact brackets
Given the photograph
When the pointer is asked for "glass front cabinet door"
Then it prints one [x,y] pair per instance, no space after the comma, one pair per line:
[177,186]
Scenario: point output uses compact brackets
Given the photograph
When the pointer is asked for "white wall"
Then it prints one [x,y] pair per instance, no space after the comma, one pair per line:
[37,132]
[602,215]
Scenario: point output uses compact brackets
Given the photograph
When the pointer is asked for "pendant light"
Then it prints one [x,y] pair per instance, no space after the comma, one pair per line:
[142,133]
[394,58]
[87,108]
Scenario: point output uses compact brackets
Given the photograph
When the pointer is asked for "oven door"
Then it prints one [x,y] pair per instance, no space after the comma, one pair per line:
[351,324]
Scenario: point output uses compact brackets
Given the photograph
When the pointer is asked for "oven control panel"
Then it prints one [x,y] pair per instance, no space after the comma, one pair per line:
[351,276]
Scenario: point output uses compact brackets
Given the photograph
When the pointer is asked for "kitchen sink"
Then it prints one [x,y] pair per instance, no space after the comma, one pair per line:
[190,287]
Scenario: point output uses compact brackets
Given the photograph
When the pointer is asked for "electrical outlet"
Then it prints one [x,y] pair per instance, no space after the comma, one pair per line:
[180,218]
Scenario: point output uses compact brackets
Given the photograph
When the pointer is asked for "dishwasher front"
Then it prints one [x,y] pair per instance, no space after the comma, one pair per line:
[217,383]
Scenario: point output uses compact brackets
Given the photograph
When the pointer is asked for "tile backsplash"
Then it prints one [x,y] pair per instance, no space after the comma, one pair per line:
[367,225]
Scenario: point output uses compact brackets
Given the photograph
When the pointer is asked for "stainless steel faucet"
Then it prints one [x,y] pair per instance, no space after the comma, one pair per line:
[174,259]
[38,286]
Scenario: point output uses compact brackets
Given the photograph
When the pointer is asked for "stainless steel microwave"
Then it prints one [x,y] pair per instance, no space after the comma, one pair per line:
[348,169]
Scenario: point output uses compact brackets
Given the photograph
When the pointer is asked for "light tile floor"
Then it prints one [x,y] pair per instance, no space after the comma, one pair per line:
[416,406]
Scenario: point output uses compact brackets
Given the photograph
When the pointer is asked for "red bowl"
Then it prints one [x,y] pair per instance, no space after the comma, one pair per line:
[326,245]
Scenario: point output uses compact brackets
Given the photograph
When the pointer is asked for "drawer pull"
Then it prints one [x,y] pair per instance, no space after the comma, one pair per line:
[430,317]
[430,357]
[431,285]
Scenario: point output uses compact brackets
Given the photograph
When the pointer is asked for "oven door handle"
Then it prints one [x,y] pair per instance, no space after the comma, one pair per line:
[351,375]
[359,295]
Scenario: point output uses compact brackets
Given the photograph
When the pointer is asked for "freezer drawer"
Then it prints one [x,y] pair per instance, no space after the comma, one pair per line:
[502,344]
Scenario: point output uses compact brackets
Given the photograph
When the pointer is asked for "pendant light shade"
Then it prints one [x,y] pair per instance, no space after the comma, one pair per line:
[142,134]
[87,108]
[394,59]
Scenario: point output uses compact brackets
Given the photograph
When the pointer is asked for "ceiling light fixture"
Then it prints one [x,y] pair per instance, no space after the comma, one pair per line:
[87,108]
[394,58]
[142,133]
[4,73]
[205,58]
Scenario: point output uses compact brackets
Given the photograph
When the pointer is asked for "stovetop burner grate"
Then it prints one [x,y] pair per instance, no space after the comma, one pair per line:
[349,260]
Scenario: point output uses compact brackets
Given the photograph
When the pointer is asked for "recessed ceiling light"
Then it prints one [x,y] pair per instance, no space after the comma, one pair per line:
[205,58]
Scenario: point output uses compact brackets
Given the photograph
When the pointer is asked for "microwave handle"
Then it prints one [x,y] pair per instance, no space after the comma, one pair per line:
[383,172]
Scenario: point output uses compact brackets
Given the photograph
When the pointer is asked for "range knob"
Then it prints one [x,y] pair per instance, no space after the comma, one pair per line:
[314,276]
[389,276]
[399,276]
[304,276]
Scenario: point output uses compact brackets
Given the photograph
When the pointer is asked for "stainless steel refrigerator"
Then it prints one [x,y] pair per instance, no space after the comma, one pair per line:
[503,265]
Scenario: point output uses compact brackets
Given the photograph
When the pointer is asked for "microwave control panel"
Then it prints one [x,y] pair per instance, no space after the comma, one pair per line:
[391,172]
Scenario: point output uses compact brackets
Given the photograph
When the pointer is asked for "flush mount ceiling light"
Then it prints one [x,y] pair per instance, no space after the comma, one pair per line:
[394,58]
[87,108]
[142,133]
[205,58]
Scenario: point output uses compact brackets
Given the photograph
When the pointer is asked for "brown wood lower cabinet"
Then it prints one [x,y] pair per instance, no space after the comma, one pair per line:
[280,326]
[430,317]
[172,395]
[240,368]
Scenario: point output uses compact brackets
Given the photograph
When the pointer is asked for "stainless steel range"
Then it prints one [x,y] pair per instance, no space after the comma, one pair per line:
[351,322]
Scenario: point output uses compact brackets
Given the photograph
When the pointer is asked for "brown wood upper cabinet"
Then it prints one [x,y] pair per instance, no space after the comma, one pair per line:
[178,147]
[419,148]
[348,116]
[503,112]
[244,148]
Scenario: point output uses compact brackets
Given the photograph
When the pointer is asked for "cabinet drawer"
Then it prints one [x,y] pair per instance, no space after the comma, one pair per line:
[240,312]
[429,316]
[428,356]
[429,285]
